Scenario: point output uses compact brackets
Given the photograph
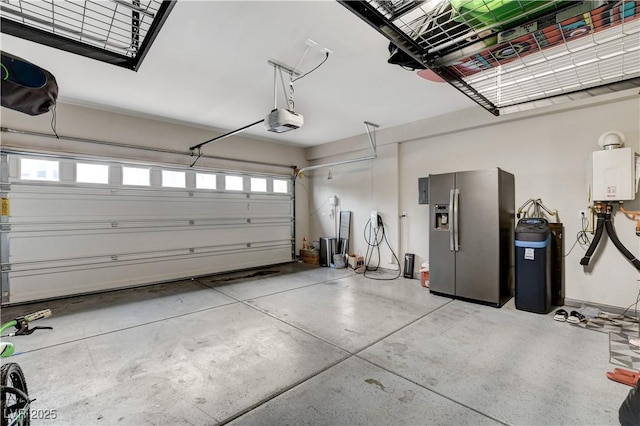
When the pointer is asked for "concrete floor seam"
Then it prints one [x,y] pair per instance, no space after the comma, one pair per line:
[245,302]
[349,356]
[285,390]
[295,326]
[401,328]
[322,339]
[431,390]
[274,293]
[126,328]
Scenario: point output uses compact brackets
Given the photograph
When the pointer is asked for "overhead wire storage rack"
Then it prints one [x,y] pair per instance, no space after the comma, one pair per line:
[510,55]
[119,32]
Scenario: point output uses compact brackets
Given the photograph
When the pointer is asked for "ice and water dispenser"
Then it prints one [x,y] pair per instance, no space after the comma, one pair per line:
[442,217]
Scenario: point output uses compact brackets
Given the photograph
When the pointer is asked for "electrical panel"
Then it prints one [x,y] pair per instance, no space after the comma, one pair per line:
[423,190]
[613,175]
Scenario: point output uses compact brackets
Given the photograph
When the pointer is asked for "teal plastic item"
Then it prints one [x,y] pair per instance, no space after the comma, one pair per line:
[483,13]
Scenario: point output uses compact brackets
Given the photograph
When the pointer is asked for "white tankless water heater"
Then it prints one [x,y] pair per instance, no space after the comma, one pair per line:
[613,169]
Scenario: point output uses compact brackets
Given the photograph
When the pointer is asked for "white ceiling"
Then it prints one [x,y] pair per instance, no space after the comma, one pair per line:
[208,66]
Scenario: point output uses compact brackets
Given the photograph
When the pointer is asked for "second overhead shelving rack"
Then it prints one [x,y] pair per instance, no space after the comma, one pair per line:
[510,55]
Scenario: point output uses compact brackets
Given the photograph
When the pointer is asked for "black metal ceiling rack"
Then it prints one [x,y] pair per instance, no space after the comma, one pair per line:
[519,55]
[119,32]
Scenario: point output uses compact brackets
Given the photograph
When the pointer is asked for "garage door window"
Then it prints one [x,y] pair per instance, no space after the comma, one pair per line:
[47,170]
[92,173]
[205,181]
[280,186]
[135,176]
[233,183]
[258,185]
[173,179]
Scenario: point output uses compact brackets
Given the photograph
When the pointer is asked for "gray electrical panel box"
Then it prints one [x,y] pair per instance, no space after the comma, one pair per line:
[423,190]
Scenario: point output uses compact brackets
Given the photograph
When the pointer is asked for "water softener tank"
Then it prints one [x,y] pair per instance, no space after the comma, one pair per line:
[533,265]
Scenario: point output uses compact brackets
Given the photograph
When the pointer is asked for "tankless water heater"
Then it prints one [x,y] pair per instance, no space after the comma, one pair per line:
[613,175]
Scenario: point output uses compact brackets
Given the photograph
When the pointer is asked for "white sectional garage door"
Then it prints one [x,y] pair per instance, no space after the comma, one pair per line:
[72,226]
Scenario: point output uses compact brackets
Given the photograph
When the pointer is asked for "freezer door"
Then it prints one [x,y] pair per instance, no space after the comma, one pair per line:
[442,275]
[478,255]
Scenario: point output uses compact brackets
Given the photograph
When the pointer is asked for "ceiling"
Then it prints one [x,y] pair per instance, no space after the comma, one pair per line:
[209,67]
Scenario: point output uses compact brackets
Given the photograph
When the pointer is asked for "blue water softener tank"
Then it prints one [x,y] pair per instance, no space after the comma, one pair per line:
[533,265]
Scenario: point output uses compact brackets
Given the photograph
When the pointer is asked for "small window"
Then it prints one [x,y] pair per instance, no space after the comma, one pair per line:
[92,173]
[233,183]
[281,186]
[31,169]
[258,185]
[205,181]
[173,179]
[135,176]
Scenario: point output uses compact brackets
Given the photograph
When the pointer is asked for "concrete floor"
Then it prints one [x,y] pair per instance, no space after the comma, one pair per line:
[310,345]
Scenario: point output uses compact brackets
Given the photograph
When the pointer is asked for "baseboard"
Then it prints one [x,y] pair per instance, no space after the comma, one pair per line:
[606,308]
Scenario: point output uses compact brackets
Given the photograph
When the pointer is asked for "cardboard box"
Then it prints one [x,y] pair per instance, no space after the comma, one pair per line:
[355,261]
[310,256]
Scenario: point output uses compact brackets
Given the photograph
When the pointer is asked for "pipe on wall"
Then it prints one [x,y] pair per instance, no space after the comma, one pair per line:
[372,139]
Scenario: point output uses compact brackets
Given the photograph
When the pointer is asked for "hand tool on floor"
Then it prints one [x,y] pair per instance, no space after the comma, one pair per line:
[624,376]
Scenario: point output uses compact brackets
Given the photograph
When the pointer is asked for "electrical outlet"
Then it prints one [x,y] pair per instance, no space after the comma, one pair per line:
[392,260]
[582,214]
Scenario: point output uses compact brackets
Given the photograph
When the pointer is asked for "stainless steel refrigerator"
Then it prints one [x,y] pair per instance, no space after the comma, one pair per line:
[471,238]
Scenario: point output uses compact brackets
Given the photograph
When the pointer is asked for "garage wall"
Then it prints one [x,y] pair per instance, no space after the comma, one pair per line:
[548,151]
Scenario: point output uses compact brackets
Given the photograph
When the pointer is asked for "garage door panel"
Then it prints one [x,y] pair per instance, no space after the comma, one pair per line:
[27,206]
[48,283]
[37,246]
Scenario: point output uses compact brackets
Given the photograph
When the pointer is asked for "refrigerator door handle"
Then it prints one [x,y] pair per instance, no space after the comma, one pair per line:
[456,234]
[451,223]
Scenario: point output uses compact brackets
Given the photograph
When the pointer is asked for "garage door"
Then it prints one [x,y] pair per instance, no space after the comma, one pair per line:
[74,225]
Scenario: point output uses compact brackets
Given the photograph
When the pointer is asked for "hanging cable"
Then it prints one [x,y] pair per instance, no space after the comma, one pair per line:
[309,72]
[374,240]
[581,237]
[289,96]
[54,120]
